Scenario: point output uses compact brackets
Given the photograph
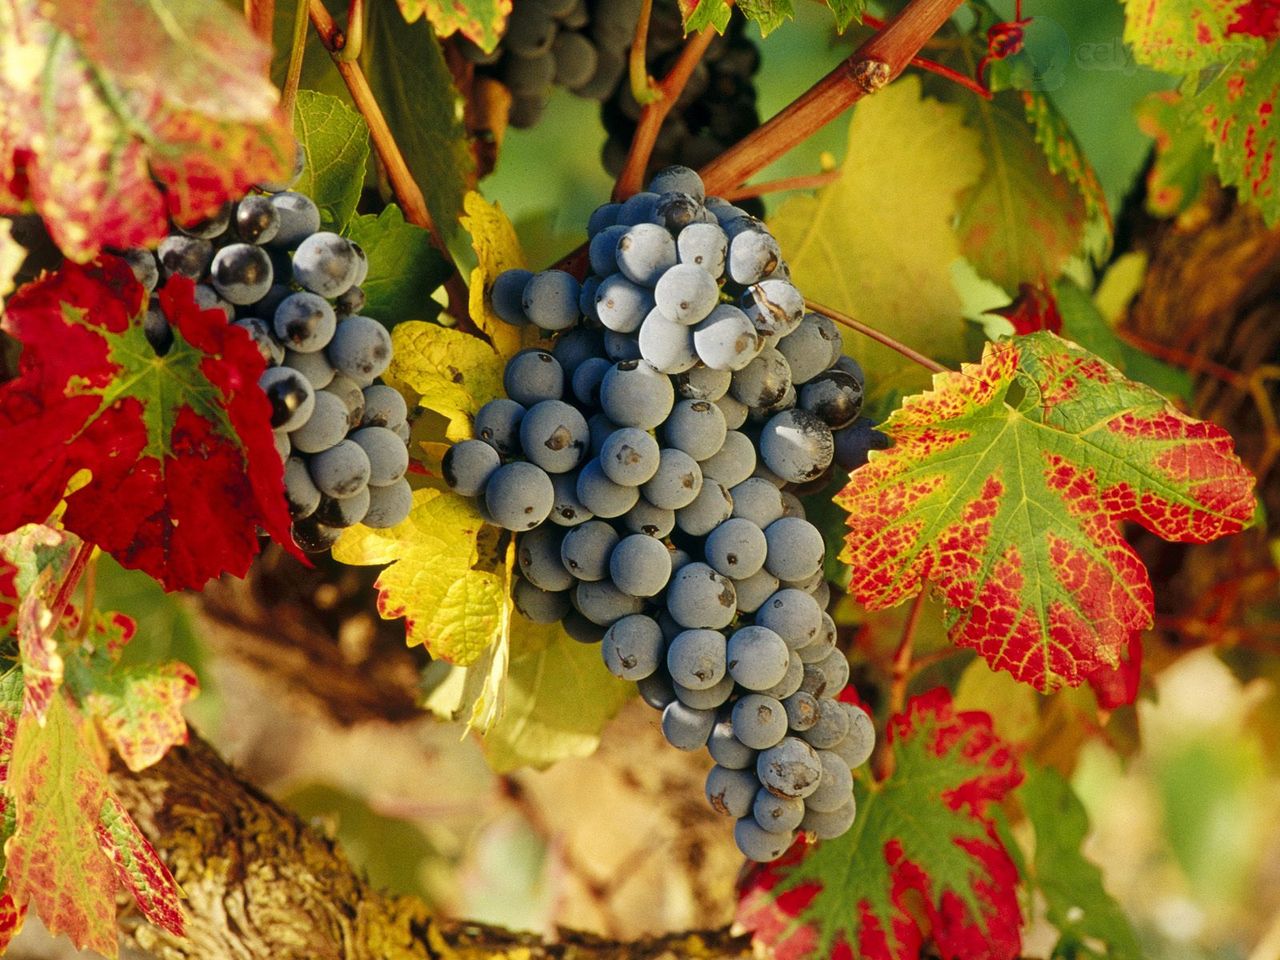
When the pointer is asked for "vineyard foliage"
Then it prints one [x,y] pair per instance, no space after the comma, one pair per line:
[1022,454]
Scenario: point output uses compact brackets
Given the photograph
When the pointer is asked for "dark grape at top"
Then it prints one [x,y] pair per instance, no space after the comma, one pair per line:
[295,289]
[646,462]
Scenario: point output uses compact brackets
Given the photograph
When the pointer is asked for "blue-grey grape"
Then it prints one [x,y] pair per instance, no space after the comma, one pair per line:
[678,178]
[704,245]
[538,605]
[754,590]
[792,614]
[802,711]
[757,500]
[603,250]
[791,768]
[538,554]
[551,300]
[698,597]
[257,219]
[686,294]
[326,263]
[602,602]
[736,548]
[620,346]
[586,380]
[656,690]
[640,565]
[341,470]
[775,307]
[811,348]
[696,658]
[343,512]
[389,505]
[622,304]
[836,786]
[708,699]
[299,218]
[567,510]
[666,346]
[709,509]
[652,521]
[349,392]
[733,463]
[532,376]
[727,750]
[360,349]
[383,407]
[790,683]
[860,742]
[764,381]
[759,721]
[291,396]
[629,456]
[634,394]
[696,427]
[645,252]
[758,844]
[753,255]
[757,658]
[834,397]
[388,456]
[184,256]
[726,339]
[686,728]
[519,496]
[777,814]
[497,423]
[731,792]
[735,413]
[828,826]
[676,483]
[314,366]
[554,436]
[325,427]
[835,668]
[633,647]
[795,548]
[507,296]
[602,496]
[585,550]
[703,383]
[300,492]
[575,347]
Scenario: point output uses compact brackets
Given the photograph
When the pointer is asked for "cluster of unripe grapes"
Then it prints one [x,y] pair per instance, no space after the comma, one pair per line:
[643,462]
[295,290]
[584,45]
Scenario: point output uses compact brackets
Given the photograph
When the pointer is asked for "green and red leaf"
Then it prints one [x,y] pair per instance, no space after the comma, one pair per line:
[1005,487]
[1180,36]
[480,21]
[184,467]
[99,103]
[1183,161]
[140,710]
[923,863]
[139,868]
[55,864]
[1238,112]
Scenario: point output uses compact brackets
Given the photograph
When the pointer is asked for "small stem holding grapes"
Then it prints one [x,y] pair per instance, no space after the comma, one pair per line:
[653,114]
[901,675]
[297,49]
[871,66]
[874,334]
[810,181]
[407,192]
[641,87]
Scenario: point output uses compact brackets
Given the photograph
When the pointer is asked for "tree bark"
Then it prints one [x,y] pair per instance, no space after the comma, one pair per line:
[262,885]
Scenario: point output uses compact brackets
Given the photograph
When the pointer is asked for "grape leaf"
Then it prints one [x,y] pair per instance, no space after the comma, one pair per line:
[432,580]
[12,255]
[847,12]
[1179,36]
[1257,18]
[54,861]
[480,21]
[335,140]
[453,372]
[700,14]
[880,247]
[84,145]
[404,268]
[1077,903]
[1183,161]
[184,467]
[558,698]
[922,860]
[201,56]
[769,14]
[138,867]
[1004,488]
[12,914]
[497,248]
[1237,110]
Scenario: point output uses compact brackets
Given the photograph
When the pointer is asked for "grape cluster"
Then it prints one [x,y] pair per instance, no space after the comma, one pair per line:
[684,352]
[295,289]
[581,45]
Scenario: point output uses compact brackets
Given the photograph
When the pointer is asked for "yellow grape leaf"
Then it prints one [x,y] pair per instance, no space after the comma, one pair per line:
[497,248]
[55,864]
[453,373]
[878,243]
[558,698]
[454,607]
[12,253]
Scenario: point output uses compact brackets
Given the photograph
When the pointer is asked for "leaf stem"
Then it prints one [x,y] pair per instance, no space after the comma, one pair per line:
[810,181]
[654,113]
[882,58]
[297,49]
[355,31]
[900,676]
[70,581]
[407,192]
[876,335]
[261,15]
[641,87]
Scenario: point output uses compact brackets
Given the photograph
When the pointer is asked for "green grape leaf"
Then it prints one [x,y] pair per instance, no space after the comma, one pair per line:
[847,12]
[769,14]
[480,21]
[1237,111]
[558,699]
[923,862]
[1077,903]
[106,150]
[412,83]
[880,247]
[1183,161]
[335,140]
[404,268]
[1005,487]
[700,14]
[1180,36]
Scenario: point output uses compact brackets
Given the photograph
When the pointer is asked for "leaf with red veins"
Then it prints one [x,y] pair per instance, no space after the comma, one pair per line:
[82,139]
[184,466]
[12,917]
[140,710]
[55,864]
[922,864]
[1005,487]
[139,868]
[12,914]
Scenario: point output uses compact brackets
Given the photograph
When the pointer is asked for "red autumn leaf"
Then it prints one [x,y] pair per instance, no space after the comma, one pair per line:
[1117,686]
[184,467]
[922,865]
[1257,18]
[85,124]
[1035,309]
[1005,487]
[12,914]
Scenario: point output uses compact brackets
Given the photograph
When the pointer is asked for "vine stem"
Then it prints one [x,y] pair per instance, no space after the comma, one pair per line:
[810,181]
[407,192]
[900,674]
[940,69]
[297,49]
[876,335]
[655,112]
[883,57]
[261,15]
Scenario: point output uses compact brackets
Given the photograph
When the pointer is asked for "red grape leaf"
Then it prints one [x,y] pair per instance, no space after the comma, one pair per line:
[81,139]
[1257,18]
[1183,161]
[184,467]
[1238,110]
[1180,36]
[480,21]
[12,914]
[54,862]
[139,868]
[1034,309]
[1005,487]
[921,864]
